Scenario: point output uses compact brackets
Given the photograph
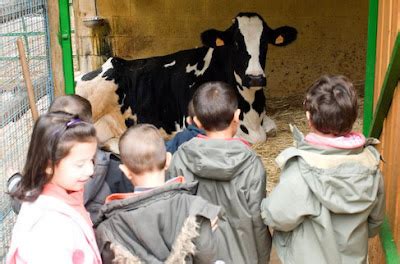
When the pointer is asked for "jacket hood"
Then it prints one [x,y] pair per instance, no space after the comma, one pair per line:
[216,159]
[344,181]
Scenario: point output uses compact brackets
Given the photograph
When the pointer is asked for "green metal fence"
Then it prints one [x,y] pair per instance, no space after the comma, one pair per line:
[26,19]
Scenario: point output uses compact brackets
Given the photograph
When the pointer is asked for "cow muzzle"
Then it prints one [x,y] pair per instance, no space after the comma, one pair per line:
[252,80]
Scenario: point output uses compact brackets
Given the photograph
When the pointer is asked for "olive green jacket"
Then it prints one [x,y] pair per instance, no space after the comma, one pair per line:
[328,203]
[230,175]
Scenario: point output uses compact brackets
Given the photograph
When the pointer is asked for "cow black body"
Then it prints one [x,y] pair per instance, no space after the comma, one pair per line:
[157,90]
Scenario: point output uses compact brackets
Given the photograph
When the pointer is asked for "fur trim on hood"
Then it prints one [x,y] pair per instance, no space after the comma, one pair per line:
[181,249]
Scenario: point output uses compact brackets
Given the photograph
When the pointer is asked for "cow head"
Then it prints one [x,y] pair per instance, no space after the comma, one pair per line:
[246,42]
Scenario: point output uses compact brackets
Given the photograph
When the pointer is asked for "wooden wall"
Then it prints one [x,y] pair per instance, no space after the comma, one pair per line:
[388,28]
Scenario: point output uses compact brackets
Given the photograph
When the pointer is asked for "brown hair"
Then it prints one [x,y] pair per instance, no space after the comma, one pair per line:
[53,136]
[190,109]
[215,104]
[73,104]
[142,149]
[332,103]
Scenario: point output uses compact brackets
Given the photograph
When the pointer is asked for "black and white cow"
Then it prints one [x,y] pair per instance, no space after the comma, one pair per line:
[157,90]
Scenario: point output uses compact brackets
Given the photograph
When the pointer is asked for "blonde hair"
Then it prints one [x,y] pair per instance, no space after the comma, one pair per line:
[142,149]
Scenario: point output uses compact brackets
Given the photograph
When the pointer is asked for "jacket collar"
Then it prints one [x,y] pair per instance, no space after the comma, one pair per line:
[135,201]
[302,144]
[121,196]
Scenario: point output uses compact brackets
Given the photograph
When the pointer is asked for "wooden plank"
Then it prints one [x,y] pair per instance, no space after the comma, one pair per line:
[386,94]
[379,50]
[388,166]
[395,127]
[56,55]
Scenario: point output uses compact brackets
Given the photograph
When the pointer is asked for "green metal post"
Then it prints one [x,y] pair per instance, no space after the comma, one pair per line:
[66,46]
[388,244]
[370,67]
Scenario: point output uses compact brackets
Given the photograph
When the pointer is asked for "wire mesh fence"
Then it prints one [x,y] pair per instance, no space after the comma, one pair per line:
[26,19]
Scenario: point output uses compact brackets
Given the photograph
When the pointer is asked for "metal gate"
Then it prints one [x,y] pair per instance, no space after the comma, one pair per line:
[26,19]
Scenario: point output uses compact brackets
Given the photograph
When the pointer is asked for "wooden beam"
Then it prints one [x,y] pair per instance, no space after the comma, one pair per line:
[386,95]
[55,51]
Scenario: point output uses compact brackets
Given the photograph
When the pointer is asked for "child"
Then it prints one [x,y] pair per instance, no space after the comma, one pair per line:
[330,197]
[230,174]
[160,222]
[53,225]
[107,177]
[187,134]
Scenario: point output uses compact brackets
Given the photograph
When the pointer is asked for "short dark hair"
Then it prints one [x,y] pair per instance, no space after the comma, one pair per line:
[73,104]
[53,136]
[332,103]
[142,149]
[190,109]
[214,105]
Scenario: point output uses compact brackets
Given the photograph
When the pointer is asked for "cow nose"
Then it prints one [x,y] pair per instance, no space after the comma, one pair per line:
[256,80]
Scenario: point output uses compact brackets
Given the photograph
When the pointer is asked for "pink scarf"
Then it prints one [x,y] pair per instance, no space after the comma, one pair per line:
[349,141]
[73,199]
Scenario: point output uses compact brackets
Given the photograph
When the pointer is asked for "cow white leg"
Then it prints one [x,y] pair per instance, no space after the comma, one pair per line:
[112,145]
[109,128]
[269,126]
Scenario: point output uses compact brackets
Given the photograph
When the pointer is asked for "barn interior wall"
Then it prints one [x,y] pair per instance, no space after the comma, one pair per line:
[331,40]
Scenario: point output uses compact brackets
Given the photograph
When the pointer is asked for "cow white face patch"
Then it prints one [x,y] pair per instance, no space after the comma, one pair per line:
[207,60]
[251,123]
[251,29]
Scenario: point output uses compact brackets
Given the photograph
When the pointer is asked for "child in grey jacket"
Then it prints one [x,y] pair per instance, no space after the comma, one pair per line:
[330,197]
[160,222]
[229,172]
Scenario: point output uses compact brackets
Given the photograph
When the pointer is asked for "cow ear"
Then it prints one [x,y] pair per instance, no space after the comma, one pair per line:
[213,38]
[283,36]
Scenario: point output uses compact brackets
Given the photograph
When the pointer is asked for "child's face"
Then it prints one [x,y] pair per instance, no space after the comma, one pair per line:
[74,170]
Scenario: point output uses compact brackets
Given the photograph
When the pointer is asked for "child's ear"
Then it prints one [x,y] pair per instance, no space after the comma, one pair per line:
[168,159]
[197,122]
[49,170]
[189,120]
[126,171]
[236,116]
[308,115]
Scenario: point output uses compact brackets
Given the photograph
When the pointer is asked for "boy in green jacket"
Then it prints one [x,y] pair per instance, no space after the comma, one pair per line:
[330,197]
[229,172]
[160,222]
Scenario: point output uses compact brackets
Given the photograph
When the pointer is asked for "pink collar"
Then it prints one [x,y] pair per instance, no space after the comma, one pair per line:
[73,199]
[228,139]
[349,141]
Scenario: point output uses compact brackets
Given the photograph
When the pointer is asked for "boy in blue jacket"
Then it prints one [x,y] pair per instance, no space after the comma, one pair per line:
[187,134]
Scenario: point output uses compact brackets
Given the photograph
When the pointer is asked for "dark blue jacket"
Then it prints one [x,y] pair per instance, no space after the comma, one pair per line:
[185,135]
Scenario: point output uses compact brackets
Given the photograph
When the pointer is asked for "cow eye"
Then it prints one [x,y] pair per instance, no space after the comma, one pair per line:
[236,45]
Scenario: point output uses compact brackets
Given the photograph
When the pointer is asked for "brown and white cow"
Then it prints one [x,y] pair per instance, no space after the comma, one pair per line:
[157,90]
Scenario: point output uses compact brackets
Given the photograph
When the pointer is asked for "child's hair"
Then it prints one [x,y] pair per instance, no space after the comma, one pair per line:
[332,103]
[214,105]
[73,104]
[191,109]
[53,136]
[142,149]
